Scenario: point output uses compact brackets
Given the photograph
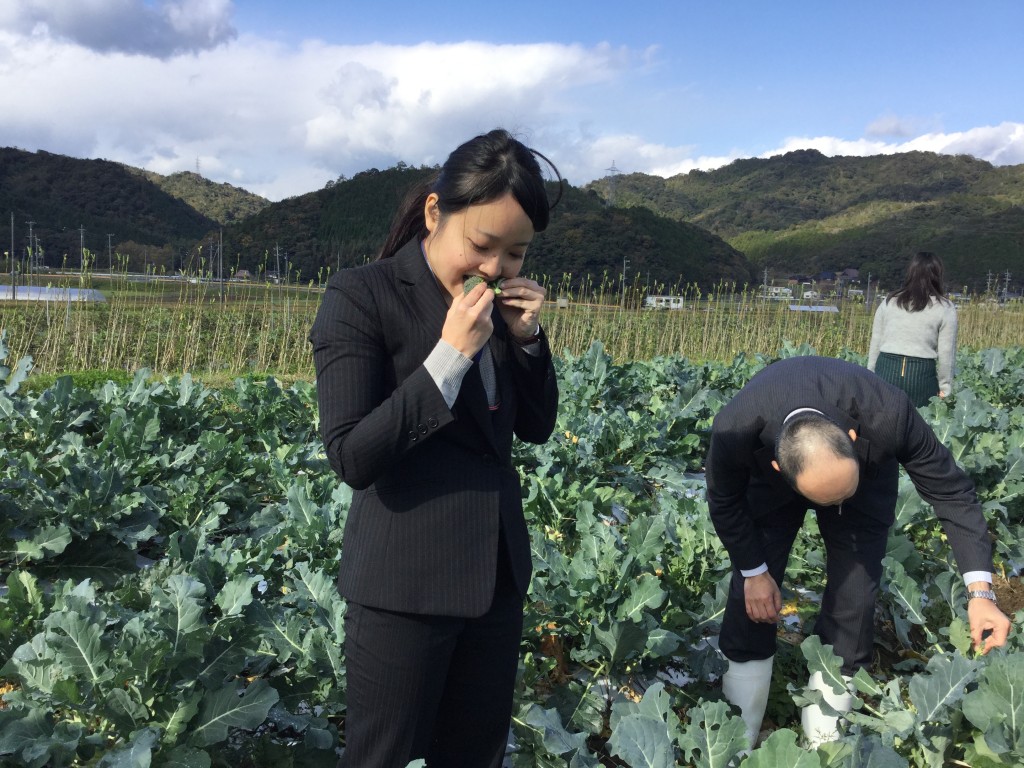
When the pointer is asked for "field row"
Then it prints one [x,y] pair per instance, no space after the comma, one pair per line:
[172,548]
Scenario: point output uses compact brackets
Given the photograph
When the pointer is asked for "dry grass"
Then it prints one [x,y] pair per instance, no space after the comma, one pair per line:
[198,325]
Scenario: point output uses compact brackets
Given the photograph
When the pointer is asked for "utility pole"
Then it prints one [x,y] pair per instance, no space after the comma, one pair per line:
[81,247]
[30,223]
[14,273]
[110,256]
[625,266]
[220,256]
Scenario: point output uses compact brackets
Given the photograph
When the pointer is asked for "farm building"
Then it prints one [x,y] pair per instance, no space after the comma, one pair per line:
[776,292]
[664,302]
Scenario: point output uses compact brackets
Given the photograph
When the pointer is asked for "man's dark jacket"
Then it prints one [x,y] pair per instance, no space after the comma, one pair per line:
[744,487]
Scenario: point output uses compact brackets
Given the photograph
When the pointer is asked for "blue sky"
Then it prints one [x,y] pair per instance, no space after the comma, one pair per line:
[280,97]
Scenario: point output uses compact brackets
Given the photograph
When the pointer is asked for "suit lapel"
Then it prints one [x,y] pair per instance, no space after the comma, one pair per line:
[427,303]
[422,292]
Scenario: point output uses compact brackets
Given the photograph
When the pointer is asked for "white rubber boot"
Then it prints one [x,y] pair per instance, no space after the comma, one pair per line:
[746,685]
[819,727]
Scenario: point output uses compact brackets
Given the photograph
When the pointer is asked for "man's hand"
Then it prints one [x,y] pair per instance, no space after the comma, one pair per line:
[762,597]
[985,616]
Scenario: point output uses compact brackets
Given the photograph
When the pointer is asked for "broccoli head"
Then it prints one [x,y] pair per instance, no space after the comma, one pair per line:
[472,281]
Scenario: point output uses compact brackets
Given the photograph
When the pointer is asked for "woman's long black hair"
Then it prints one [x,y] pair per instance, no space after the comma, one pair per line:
[923,282]
[479,171]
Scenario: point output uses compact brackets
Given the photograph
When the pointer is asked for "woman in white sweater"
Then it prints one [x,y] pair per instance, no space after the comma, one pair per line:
[913,339]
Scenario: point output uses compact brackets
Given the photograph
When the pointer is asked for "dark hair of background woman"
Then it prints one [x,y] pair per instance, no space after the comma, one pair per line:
[479,171]
[923,281]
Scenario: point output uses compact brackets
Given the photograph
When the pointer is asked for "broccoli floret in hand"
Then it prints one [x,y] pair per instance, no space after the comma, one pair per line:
[473,280]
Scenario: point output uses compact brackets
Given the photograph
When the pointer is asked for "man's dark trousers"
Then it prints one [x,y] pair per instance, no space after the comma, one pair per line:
[854,548]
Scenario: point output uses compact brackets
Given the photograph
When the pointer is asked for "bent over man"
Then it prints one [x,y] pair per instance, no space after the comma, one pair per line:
[828,435]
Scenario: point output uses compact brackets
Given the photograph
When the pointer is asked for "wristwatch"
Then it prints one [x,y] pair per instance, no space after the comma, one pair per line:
[988,594]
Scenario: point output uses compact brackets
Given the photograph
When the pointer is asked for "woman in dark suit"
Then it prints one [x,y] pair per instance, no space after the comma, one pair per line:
[421,387]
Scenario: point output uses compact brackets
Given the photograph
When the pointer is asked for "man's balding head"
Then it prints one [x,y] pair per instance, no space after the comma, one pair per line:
[818,459]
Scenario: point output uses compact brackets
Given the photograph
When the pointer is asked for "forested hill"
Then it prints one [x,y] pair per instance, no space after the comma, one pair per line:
[59,195]
[798,213]
[805,212]
[166,222]
[224,203]
[345,224]
[342,225]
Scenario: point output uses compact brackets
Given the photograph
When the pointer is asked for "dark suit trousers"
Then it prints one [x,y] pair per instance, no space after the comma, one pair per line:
[854,548]
[432,687]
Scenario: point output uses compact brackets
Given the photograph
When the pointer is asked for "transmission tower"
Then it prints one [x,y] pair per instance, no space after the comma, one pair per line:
[612,173]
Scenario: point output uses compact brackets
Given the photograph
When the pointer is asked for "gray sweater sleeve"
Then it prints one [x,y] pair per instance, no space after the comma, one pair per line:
[945,363]
[877,329]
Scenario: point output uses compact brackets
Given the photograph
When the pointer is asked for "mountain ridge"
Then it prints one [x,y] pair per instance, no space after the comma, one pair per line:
[797,213]
[806,212]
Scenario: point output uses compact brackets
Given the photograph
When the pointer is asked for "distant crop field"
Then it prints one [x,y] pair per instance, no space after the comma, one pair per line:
[227,329]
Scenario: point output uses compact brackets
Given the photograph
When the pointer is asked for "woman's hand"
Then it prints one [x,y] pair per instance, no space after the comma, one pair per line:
[520,303]
[468,325]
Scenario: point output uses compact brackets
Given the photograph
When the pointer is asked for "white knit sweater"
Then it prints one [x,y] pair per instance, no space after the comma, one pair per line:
[930,333]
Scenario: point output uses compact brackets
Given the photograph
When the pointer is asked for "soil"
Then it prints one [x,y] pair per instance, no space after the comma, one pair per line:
[1010,593]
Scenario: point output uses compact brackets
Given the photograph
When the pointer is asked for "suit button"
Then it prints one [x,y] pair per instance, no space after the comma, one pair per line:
[422,428]
[413,436]
[432,422]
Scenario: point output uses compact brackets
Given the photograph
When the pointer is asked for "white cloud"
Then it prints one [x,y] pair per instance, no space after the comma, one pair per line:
[589,159]
[390,100]
[594,157]
[1001,144]
[891,125]
[282,121]
[124,26]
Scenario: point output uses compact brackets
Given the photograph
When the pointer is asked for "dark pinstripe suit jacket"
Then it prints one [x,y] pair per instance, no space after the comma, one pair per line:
[743,486]
[432,485]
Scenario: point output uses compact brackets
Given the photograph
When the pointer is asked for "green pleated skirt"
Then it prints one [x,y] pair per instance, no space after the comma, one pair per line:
[914,375]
